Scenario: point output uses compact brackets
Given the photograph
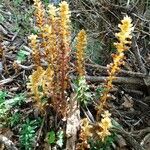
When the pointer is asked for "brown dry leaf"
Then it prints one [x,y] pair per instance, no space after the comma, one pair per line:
[121,142]
[128,102]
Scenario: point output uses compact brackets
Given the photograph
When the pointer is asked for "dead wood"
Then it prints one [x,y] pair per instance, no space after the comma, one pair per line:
[129,138]
[119,80]
[9,144]
[73,124]
[124,72]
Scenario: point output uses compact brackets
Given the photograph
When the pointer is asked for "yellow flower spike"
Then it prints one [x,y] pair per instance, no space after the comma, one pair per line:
[103,134]
[80,53]
[65,20]
[61,47]
[85,134]
[49,43]
[126,29]
[52,11]
[105,125]
[64,11]
[47,29]
[45,32]
[52,38]
[86,128]
[35,80]
[124,37]
[35,51]
[39,13]
[33,38]
[50,46]
[49,74]
[106,114]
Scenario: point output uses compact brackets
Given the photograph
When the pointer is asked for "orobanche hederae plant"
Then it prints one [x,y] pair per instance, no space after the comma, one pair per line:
[50,83]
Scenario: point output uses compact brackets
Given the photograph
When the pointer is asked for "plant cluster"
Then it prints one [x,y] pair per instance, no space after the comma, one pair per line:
[51,44]
[49,82]
[100,129]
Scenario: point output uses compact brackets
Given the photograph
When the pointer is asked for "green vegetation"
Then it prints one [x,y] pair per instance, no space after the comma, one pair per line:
[83,92]
[28,134]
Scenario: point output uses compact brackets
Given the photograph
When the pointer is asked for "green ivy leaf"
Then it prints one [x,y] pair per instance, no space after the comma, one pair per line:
[60,140]
[51,137]
[2,96]
[21,55]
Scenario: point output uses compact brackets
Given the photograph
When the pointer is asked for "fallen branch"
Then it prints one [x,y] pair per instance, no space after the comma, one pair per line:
[140,133]
[103,68]
[119,80]
[5,81]
[138,56]
[73,124]
[129,138]
[9,144]
[124,72]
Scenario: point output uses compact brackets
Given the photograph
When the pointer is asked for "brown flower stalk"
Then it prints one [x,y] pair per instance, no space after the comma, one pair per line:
[39,13]
[36,81]
[63,50]
[80,53]
[35,50]
[51,51]
[124,39]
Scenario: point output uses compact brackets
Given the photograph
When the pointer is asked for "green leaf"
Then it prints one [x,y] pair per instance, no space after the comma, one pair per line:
[17,2]
[116,124]
[3,94]
[83,92]
[14,119]
[51,137]
[21,55]
[28,134]
[60,136]
[40,88]
[18,100]
[2,19]
[35,31]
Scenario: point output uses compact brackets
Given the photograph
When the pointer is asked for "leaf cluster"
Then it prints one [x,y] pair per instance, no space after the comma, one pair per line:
[83,92]
[55,138]
[6,105]
[28,134]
